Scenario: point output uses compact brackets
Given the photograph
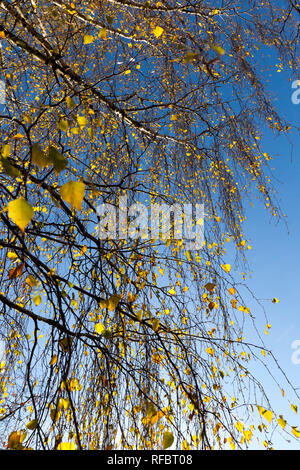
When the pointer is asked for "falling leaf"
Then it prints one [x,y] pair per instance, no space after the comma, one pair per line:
[65,344]
[37,300]
[66,446]
[82,121]
[73,193]
[239,426]
[113,302]
[31,281]
[99,328]
[32,424]
[102,34]
[63,125]
[21,212]
[190,56]
[168,440]
[226,267]
[70,102]
[281,422]
[15,272]
[218,49]
[58,160]
[88,39]
[38,157]
[9,169]
[158,31]
[53,360]
[294,408]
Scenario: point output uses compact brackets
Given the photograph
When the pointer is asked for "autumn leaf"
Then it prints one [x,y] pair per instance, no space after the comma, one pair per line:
[58,160]
[38,157]
[99,328]
[226,267]
[158,31]
[37,300]
[20,212]
[63,125]
[281,422]
[32,424]
[218,49]
[15,272]
[113,302]
[82,121]
[73,193]
[65,344]
[66,446]
[294,408]
[210,286]
[88,39]
[168,439]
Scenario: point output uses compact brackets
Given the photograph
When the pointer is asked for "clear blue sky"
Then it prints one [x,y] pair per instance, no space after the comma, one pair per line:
[275,256]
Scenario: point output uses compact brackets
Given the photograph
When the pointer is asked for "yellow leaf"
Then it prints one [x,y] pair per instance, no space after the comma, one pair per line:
[268,415]
[53,360]
[37,300]
[231,291]
[32,424]
[21,212]
[102,34]
[296,432]
[113,302]
[70,102]
[63,125]
[5,151]
[239,426]
[172,291]
[31,281]
[157,358]
[247,435]
[38,157]
[218,49]
[168,440]
[99,328]
[294,408]
[82,121]
[226,267]
[66,446]
[15,440]
[281,422]
[275,301]
[88,39]
[158,31]
[73,193]
[210,351]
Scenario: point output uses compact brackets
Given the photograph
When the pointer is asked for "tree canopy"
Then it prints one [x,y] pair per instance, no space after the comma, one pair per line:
[134,343]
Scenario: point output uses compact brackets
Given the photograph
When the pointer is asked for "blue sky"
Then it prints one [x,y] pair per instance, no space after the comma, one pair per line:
[275,256]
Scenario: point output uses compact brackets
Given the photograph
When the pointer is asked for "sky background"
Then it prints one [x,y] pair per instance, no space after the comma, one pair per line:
[275,256]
